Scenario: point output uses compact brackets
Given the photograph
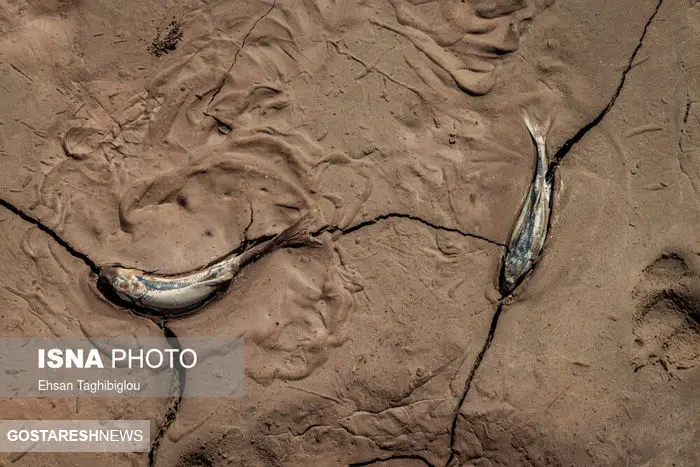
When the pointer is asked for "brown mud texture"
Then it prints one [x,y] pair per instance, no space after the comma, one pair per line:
[163,135]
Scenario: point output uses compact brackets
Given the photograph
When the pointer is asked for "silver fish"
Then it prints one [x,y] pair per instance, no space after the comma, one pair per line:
[530,230]
[178,294]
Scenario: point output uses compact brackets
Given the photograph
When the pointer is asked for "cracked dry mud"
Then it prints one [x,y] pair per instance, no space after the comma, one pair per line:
[389,344]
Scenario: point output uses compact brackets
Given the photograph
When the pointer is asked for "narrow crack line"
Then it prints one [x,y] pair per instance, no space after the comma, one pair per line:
[372,68]
[175,401]
[246,239]
[220,86]
[470,378]
[49,231]
[564,150]
[18,70]
[384,459]
[400,215]
[687,110]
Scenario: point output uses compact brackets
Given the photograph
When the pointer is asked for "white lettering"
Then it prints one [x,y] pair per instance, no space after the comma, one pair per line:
[94,359]
[74,358]
[115,359]
[170,352]
[138,358]
[55,357]
[182,358]
[148,358]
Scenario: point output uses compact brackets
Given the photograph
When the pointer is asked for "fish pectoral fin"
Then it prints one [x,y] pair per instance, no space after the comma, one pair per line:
[206,288]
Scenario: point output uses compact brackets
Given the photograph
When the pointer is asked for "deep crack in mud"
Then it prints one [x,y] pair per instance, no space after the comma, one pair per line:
[47,230]
[175,401]
[558,157]
[247,242]
[400,215]
[470,378]
[566,147]
[399,457]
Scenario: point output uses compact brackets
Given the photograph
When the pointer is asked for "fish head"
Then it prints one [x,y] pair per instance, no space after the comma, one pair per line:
[125,282]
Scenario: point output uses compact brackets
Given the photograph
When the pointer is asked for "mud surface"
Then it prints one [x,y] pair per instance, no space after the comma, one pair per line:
[164,135]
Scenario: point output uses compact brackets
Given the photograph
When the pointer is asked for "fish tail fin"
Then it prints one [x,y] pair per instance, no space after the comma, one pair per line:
[538,129]
[298,232]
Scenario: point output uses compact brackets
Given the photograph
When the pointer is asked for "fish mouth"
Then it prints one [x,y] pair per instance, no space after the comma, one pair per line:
[106,279]
[105,285]
[107,273]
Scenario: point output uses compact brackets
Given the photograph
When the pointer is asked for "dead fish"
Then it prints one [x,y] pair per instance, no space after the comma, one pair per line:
[530,230]
[178,294]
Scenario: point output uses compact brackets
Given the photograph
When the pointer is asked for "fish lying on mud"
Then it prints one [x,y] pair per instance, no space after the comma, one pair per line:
[530,231]
[179,294]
